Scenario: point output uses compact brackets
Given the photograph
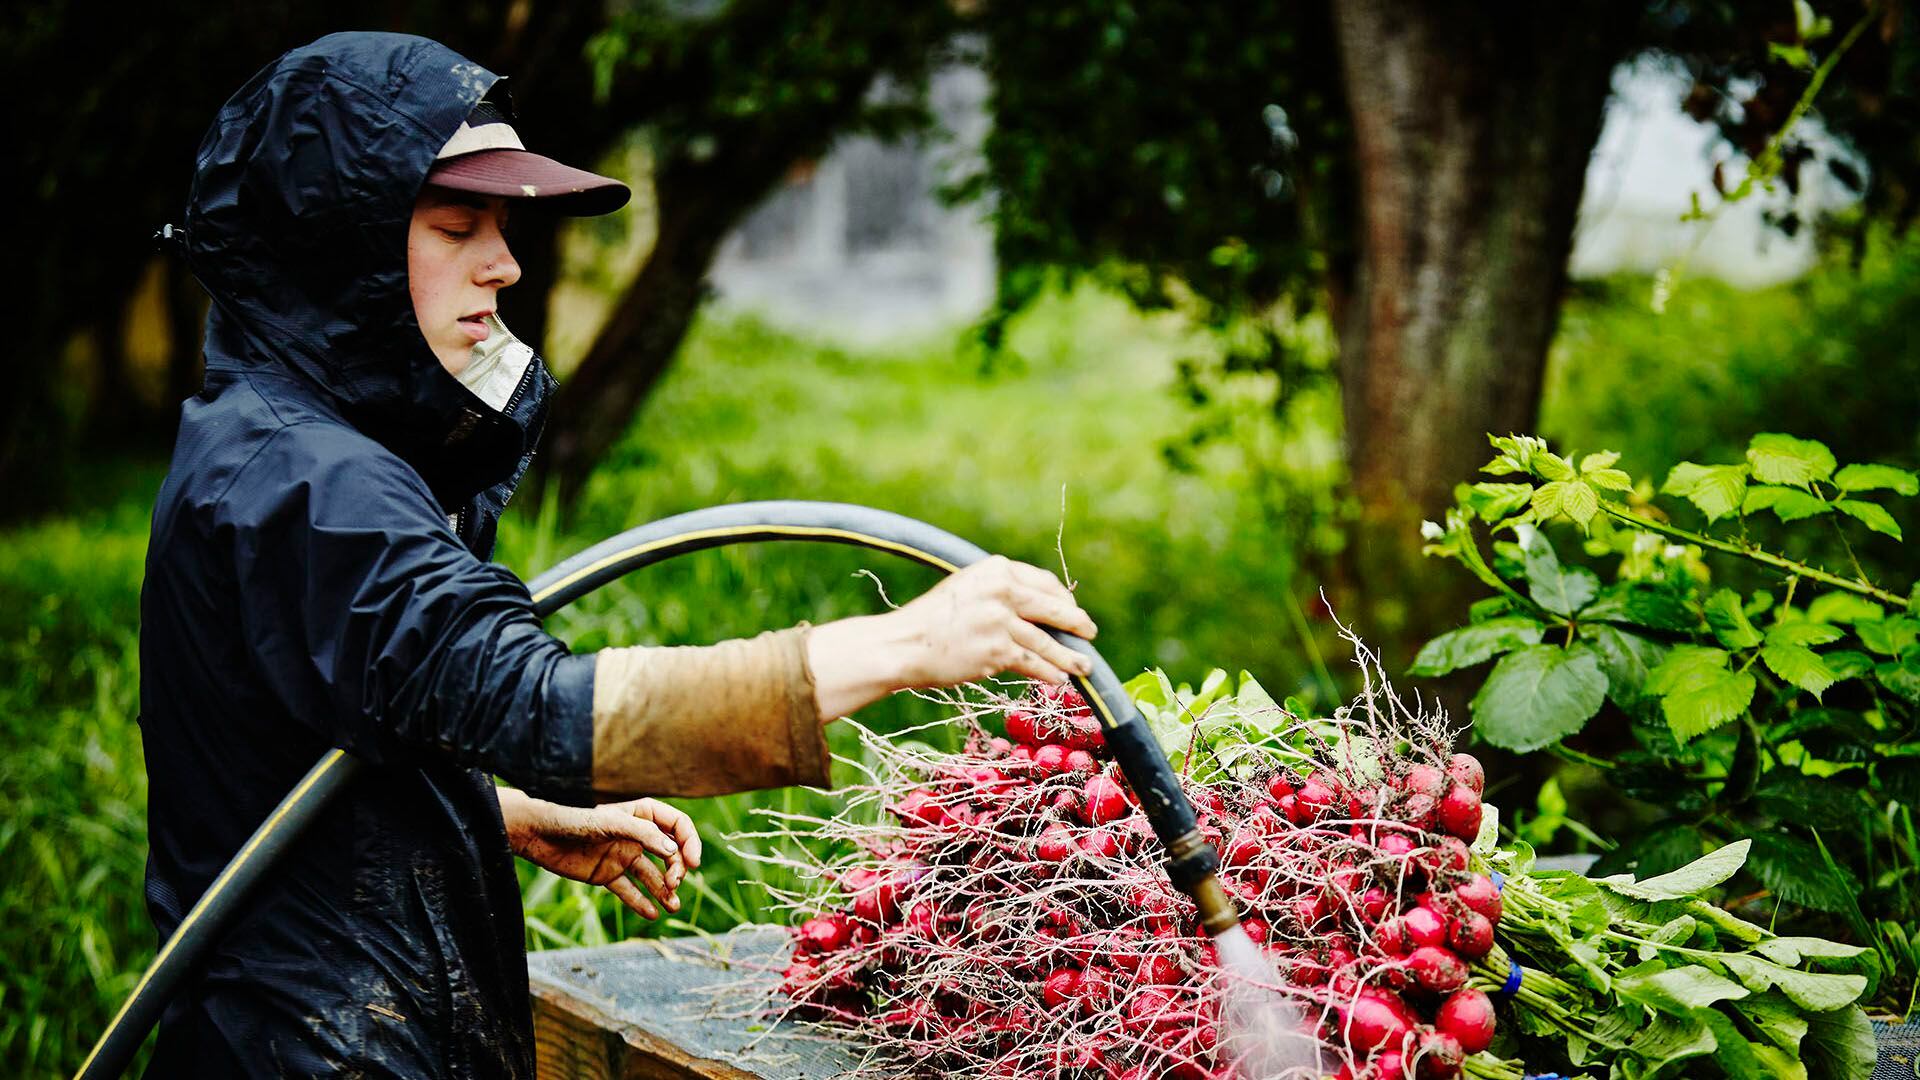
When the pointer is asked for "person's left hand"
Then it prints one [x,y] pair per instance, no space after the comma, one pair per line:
[603,845]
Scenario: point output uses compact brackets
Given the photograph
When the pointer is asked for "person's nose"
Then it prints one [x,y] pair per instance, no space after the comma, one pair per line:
[500,269]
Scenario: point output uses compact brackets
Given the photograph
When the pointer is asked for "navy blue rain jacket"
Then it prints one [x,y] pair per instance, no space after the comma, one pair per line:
[317,578]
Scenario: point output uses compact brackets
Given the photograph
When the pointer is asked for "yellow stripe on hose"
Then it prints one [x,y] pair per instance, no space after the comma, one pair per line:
[796,531]
[253,843]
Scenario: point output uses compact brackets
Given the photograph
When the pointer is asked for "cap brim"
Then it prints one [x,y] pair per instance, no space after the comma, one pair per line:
[522,174]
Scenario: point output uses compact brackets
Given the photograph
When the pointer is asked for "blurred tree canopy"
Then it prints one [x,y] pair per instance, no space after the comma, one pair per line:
[1411,170]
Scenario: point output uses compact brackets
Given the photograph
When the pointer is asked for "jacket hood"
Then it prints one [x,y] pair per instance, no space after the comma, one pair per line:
[297,225]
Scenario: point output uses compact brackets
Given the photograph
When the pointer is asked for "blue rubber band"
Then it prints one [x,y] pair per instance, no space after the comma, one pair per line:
[1512,986]
[1499,882]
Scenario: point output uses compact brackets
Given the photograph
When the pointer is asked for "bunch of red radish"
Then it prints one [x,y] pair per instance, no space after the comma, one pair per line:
[1006,913]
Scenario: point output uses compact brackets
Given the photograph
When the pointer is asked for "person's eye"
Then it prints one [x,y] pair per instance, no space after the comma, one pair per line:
[455,234]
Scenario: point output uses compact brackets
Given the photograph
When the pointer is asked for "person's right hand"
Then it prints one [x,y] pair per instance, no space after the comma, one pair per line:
[978,622]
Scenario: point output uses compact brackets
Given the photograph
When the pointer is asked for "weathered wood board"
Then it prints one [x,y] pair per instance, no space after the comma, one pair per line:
[679,1010]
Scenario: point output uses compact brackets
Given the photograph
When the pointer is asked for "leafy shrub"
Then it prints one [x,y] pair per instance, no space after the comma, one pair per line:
[1784,713]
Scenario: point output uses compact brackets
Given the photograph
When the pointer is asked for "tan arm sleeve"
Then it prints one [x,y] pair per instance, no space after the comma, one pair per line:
[707,720]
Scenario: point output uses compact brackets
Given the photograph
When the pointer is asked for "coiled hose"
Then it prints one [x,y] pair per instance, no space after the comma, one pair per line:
[1191,862]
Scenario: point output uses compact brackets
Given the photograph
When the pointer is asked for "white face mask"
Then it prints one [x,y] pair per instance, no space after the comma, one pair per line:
[497,365]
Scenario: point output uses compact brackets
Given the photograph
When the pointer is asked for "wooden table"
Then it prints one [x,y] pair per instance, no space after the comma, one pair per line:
[671,1010]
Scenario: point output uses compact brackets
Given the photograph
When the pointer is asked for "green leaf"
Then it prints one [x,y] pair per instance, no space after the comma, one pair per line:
[1847,663]
[1811,990]
[1788,504]
[1778,1020]
[1716,489]
[1888,637]
[1791,950]
[1538,695]
[1872,515]
[1839,1044]
[1729,621]
[1475,644]
[1783,459]
[1698,692]
[1580,503]
[1800,666]
[1842,607]
[1660,1042]
[1561,590]
[1679,990]
[1901,676]
[1638,604]
[1793,869]
[1495,501]
[1598,471]
[1877,477]
[1551,466]
[1626,659]
[1696,877]
[1789,795]
[1488,609]
[1803,633]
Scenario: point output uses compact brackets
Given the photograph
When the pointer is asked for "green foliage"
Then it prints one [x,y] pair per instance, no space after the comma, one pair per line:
[1761,716]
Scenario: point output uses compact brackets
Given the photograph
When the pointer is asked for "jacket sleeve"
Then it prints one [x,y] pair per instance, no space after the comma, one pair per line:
[378,629]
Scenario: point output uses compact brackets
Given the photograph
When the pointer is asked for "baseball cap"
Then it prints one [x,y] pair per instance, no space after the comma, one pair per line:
[487,157]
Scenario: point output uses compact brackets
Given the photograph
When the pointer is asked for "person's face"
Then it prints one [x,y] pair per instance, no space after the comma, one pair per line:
[457,263]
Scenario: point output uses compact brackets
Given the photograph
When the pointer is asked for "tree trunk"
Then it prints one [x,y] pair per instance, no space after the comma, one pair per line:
[633,349]
[1473,125]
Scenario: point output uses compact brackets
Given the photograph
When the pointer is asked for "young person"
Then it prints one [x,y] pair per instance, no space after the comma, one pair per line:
[317,577]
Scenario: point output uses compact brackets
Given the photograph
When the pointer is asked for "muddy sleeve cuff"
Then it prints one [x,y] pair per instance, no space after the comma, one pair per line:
[707,720]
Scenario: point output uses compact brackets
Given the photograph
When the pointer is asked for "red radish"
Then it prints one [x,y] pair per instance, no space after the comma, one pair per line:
[1468,1017]
[1425,780]
[1460,812]
[1471,935]
[1436,969]
[1479,894]
[1055,844]
[1104,800]
[1418,811]
[1312,801]
[920,808]
[998,747]
[1390,1066]
[1279,787]
[1023,752]
[1256,928]
[1060,986]
[1050,759]
[1020,727]
[1101,844]
[1376,1019]
[1160,969]
[1454,853]
[1425,927]
[1243,851]
[1396,845]
[1067,802]
[1392,937]
[1080,761]
[1289,807]
[824,934]
[922,920]
[1373,904]
[1465,769]
[1439,1058]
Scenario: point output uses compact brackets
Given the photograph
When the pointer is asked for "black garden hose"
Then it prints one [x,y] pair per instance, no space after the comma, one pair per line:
[1191,863]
